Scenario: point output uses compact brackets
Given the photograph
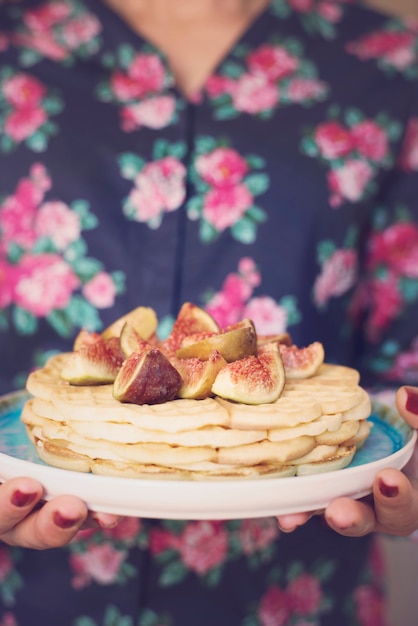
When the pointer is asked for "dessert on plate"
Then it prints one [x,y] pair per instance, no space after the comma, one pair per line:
[205,403]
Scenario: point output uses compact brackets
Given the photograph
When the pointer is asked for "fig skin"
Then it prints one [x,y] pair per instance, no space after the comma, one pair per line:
[198,376]
[147,378]
[233,343]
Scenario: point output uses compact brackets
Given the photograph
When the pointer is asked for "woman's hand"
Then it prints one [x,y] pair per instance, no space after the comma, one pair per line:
[393,506]
[27,521]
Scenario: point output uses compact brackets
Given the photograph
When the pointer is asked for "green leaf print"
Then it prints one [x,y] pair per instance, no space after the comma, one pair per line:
[409,289]
[325,250]
[87,219]
[257,183]
[86,268]
[60,323]
[149,618]
[225,112]
[83,314]
[244,230]
[207,232]
[126,55]
[130,165]
[173,574]
[25,323]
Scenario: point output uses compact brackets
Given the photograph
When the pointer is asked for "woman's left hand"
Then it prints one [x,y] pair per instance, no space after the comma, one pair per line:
[393,506]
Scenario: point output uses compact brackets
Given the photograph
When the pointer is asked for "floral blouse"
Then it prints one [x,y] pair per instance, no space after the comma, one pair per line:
[286,190]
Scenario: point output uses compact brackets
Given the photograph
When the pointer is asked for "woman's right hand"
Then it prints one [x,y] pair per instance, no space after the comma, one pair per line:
[27,521]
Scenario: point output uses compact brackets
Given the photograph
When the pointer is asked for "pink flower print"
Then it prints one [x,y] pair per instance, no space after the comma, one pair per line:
[408,159]
[274,607]
[154,113]
[338,275]
[127,530]
[43,43]
[334,140]
[397,248]
[8,620]
[304,594]
[125,88]
[159,186]
[162,540]
[100,563]
[385,303]
[254,94]
[256,535]
[100,291]
[227,306]
[269,317]
[6,563]
[369,606]
[218,85]
[330,11]
[248,270]
[22,91]
[79,31]
[349,181]
[405,367]
[7,283]
[47,15]
[224,206]
[22,123]
[223,167]
[204,546]
[303,6]
[272,62]
[45,282]
[370,140]
[302,89]
[381,44]
[59,223]
[149,72]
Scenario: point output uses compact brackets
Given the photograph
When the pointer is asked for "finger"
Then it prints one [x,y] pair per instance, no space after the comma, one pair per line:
[18,497]
[396,503]
[407,404]
[51,526]
[104,520]
[351,518]
[289,523]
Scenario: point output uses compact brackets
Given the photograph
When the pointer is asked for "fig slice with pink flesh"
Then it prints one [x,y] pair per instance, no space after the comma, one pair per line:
[96,363]
[198,376]
[254,379]
[147,378]
[233,343]
[283,338]
[131,341]
[143,319]
[302,362]
[190,320]
[84,338]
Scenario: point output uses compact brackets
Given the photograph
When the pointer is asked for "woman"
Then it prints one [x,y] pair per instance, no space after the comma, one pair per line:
[256,158]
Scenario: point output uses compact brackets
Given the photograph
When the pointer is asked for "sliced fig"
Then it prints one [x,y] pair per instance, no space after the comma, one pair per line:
[143,319]
[147,378]
[85,338]
[233,343]
[254,379]
[131,341]
[284,338]
[94,364]
[190,320]
[198,376]
[302,362]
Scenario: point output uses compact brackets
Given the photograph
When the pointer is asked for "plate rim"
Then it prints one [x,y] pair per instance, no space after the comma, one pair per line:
[147,494]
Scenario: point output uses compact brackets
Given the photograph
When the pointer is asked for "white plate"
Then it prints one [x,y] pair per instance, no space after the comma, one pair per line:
[390,444]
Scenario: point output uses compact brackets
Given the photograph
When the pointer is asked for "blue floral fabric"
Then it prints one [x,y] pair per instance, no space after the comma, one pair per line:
[284,190]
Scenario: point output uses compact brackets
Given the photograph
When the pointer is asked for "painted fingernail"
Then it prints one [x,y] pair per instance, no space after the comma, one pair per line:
[389,491]
[64,522]
[20,499]
[412,400]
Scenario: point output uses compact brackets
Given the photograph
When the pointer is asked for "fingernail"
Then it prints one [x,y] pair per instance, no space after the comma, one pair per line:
[64,522]
[389,491]
[412,400]
[20,499]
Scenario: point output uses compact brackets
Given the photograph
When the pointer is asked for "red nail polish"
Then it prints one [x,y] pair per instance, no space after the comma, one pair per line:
[412,400]
[389,491]
[20,499]
[64,522]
